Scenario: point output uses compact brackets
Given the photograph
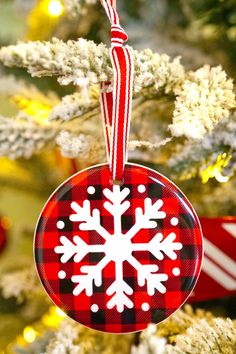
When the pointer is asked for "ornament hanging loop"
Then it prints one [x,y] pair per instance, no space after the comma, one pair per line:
[117,105]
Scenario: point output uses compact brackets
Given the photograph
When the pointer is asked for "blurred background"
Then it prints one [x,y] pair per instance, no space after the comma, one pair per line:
[202,33]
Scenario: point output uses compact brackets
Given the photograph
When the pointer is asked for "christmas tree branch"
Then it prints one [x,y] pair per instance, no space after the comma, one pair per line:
[20,284]
[76,7]
[75,106]
[192,158]
[189,332]
[12,87]
[84,63]
[203,97]
[185,332]
[21,137]
[217,337]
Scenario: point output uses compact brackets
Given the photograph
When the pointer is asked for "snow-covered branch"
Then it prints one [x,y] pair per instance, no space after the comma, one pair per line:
[72,338]
[76,7]
[73,106]
[192,157]
[21,284]
[22,137]
[12,87]
[84,63]
[65,339]
[204,99]
[188,332]
[72,145]
[216,337]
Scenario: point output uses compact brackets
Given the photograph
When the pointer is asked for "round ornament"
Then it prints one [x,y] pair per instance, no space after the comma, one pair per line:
[116,258]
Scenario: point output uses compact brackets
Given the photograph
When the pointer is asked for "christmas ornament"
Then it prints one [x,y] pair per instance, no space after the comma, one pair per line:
[116,258]
[219,265]
[118,246]
[4,225]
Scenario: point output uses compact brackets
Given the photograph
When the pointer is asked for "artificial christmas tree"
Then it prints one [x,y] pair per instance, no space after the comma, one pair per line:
[183,125]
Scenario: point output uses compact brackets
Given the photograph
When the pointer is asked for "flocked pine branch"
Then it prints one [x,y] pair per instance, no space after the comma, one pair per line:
[191,157]
[20,284]
[84,63]
[75,105]
[76,7]
[9,85]
[28,98]
[187,331]
[216,338]
[12,87]
[203,98]
[64,340]
[21,137]
[73,338]
[72,145]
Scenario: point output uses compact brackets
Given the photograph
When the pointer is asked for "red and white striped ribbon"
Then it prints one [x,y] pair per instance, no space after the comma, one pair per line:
[116,105]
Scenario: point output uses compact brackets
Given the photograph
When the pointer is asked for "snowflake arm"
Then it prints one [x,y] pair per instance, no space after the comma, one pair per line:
[160,246]
[77,249]
[90,218]
[147,274]
[144,218]
[119,290]
[92,275]
[116,205]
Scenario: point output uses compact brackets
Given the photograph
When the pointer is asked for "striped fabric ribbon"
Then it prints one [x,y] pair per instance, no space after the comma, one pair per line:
[116,105]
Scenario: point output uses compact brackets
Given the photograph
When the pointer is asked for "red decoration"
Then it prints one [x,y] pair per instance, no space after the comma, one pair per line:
[218,276]
[118,246]
[116,258]
[4,222]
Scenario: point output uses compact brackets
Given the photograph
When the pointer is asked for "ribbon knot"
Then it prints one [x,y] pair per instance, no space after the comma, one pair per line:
[118,35]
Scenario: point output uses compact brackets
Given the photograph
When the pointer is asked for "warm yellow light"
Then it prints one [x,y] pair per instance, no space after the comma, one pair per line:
[60,312]
[55,8]
[215,170]
[220,178]
[29,334]
[36,109]
[54,317]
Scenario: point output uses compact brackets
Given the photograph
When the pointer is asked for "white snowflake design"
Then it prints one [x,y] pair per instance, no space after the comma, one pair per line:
[118,247]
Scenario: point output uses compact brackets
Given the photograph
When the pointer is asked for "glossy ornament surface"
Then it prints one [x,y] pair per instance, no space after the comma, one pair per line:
[116,258]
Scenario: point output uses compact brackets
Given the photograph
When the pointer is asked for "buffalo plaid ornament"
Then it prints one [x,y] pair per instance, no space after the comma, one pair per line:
[118,246]
[116,258]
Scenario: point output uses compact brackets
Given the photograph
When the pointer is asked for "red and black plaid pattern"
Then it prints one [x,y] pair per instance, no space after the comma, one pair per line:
[189,258]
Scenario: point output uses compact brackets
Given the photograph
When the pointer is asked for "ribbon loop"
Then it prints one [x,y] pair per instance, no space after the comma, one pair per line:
[118,36]
[116,105]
